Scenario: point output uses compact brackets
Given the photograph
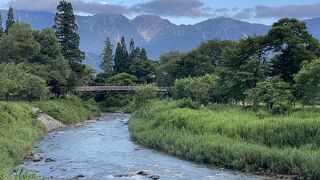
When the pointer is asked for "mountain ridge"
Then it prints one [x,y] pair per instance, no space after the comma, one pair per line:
[154,33]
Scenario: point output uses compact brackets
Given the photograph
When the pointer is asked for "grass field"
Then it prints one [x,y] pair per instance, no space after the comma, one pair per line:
[233,137]
[19,130]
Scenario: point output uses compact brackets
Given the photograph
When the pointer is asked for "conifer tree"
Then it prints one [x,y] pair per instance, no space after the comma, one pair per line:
[107,58]
[143,54]
[1,28]
[66,29]
[10,20]
[121,59]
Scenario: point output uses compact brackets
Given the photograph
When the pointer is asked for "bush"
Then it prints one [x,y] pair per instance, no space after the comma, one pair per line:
[18,84]
[202,89]
[143,95]
[275,93]
[71,110]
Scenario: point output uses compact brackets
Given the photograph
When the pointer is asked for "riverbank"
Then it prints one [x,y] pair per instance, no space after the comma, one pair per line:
[19,129]
[233,137]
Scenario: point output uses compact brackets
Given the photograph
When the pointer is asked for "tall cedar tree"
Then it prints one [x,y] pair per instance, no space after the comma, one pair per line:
[121,59]
[143,54]
[1,28]
[107,58]
[10,20]
[66,29]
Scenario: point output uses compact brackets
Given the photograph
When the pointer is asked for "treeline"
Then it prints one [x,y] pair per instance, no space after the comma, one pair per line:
[277,69]
[41,63]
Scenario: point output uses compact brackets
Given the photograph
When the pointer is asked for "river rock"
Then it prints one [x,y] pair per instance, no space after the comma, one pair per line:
[154,177]
[36,158]
[142,173]
[49,160]
[78,177]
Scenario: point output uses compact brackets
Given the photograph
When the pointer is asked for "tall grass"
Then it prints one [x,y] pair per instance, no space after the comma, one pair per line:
[233,137]
[70,110]
[18,132]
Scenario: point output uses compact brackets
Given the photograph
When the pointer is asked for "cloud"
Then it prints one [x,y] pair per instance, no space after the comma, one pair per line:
[174,8]
[297,11]
[78,5]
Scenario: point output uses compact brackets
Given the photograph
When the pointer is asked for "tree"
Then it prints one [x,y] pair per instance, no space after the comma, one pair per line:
[169,70]
[293,45]
[242,66]
[19,45]
[144,70]
[33,87]
[66,29]
[308,83]
[49,62]
[143,54]
[10,19]
[203,89]
[1,28]
[275,93]
[121,58]
[107,58]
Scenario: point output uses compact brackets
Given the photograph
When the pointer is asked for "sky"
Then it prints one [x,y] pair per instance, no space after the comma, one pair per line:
[184,11]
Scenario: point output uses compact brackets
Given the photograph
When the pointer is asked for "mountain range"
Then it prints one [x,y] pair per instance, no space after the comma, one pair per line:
[155,34]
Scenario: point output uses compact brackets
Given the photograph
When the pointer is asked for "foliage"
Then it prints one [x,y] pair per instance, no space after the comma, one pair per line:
[122,79]
[19,45]
[121,58]
[18,133]
[143,70]
[69,110]
[232,137]
[19,84]
[107,58]
[275,93]
[66,28]
[203,89]
[10,20]
[144,95]
[168,71]
[293,45]
[1,28]
[308,83]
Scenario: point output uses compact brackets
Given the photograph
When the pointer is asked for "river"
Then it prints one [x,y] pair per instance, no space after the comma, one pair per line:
[103,150]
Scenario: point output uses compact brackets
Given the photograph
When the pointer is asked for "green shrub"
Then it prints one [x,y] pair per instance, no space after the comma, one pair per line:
[203,89]
[71,110]
[143,95]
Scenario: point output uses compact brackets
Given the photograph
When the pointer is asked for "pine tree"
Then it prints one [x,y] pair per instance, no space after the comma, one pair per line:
[1,28]
[10,20]
[143,54]
[66,29]
[121,58]
[117,59]
[107,58]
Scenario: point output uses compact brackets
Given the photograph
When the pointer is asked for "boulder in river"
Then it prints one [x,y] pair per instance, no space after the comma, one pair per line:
[142,173]
[49,160]
[36,158]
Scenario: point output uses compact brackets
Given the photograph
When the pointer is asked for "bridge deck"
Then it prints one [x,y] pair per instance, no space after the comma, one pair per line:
[115,88]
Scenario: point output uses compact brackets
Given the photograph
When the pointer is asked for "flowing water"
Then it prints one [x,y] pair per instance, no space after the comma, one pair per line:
[103,150]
